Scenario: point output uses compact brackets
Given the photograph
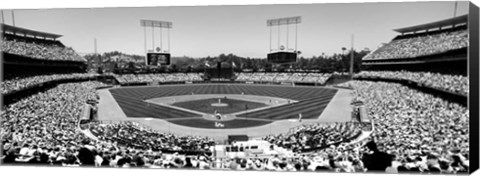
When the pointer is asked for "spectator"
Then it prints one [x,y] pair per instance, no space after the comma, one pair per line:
[376,160]
[86,154]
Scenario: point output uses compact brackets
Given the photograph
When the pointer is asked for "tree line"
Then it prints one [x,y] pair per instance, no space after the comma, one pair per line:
[127,63]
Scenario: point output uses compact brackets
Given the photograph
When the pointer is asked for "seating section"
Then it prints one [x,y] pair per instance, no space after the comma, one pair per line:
[415,126]
[452,83]
[45,50]
[131,134]
[282,77]
[315,135]
[422,45]
[160,77]
[320,78]
[45,121]
[33,40]
[19,82]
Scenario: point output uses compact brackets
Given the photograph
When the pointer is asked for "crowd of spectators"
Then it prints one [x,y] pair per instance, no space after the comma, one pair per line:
[317,135]
[256,76]
[41,128]
[421,45]
[133,135]
[107,154]
[131,145]
[413,131]
[44,51]
[424,133]
[320,78]
[296,76]
[452,83]
[10,36]
[195,76]
[282,77]
[20,82]
[160,77]
[329,160]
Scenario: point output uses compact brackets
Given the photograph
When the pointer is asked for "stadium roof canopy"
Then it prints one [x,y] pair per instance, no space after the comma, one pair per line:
[436,24]
[37,34]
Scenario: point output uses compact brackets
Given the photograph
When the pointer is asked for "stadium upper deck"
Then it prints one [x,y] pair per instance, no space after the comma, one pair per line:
[439,46]
[428,39]
[33,44]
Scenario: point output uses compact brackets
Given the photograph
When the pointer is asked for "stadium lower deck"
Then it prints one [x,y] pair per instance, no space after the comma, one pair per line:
[152,106]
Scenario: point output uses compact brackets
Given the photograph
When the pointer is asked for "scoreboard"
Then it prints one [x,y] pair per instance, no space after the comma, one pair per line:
[282,57]
[158,59]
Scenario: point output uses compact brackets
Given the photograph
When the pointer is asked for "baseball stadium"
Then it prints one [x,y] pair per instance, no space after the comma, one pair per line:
[400,108]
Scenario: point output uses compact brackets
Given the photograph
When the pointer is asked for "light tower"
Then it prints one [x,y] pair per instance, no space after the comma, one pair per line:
[283,54]
[157,56]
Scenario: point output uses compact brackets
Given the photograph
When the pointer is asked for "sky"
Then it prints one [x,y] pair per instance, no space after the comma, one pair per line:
[200,31]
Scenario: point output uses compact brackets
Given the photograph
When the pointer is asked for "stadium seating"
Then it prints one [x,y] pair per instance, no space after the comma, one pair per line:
[318,78]
[407,121]
[421,45]
[45,121]
[133,135]
[44,50]
[160,77]
[282,77]
[452,83]
[315,136]
[412,124]
[20,82]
